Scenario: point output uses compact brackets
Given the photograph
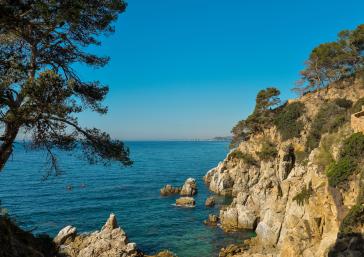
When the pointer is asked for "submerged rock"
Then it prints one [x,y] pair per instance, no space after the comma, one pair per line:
[230,250]
[210,202]
[189,187]
[185,202]
[169,190]
[165,253]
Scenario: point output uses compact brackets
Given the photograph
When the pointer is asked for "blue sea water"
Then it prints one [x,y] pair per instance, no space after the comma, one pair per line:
[46,206]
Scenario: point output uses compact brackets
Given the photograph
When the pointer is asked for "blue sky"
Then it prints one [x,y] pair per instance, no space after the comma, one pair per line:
[191,69]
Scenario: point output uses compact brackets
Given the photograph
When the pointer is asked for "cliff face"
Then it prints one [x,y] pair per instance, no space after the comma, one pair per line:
[287,199]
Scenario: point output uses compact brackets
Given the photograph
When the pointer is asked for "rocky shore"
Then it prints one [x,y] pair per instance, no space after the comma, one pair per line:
[286,199]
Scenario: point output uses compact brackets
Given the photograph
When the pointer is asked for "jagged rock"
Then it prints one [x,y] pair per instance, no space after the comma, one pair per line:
[185,202]
[111,241]
[210,202]
[238,217]
[189,188]
[68,232]
[169,190]
[111,223]
[212,220]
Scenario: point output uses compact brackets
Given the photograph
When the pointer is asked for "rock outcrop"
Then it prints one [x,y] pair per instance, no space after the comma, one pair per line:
[110,241]
[185,202]
[189,188]
[66,233]
[210,201]
[266,192]
[212,220]
[168,190]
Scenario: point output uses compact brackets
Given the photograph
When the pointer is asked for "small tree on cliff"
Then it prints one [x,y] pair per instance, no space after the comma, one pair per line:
[262,116]
[330,62]
[40,93]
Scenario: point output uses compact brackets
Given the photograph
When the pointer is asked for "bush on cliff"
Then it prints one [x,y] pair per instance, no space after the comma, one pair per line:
[339,171]
[268,151]
[246,157]
[353,220]
[343,103]
[262,117]
[353,147]
[287,122]
[329,119]
[333,61]
[357,107]
[351,155]
[304,196]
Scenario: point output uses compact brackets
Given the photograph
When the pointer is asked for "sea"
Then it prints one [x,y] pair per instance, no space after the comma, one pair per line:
[83,195]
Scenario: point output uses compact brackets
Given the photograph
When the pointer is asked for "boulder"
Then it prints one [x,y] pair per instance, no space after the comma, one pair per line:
[68,232]
[185,202]
[169,190]
[189,188]
[210,202]
[212,220]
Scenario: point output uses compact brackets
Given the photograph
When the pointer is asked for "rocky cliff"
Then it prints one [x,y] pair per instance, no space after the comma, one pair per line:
[286,196]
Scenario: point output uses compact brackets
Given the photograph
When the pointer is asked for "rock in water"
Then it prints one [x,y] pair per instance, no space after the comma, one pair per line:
[189,187]
[212,220]
[210,202]
[169,190]
[64,234]
[185,202]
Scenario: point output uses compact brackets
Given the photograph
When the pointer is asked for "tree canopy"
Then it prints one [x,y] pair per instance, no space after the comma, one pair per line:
[330,62]
[266,101]
[40,92]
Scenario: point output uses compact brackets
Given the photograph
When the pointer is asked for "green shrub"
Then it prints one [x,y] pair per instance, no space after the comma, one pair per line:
[357,106]
[287,122]
[304,196]
[343,103]
[339,171]
[329,119]
[246,157]
[353,220]
[301,157]
[268,151]
[353,147]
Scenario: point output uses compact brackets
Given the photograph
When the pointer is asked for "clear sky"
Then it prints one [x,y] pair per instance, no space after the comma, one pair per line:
[191,69]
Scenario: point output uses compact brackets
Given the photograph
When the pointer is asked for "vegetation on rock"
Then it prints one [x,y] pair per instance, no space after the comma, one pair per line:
[246,157]
[353,220]
[304,196]
[329,119]
[287,121]
[330,62]
[357,105]
[262,116]
[351,154]
[339,171]
[268,151]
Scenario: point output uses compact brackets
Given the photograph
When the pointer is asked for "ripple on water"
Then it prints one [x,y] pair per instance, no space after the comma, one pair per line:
[132,193]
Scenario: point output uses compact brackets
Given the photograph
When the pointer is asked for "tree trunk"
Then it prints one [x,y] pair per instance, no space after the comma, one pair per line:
[6,148]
